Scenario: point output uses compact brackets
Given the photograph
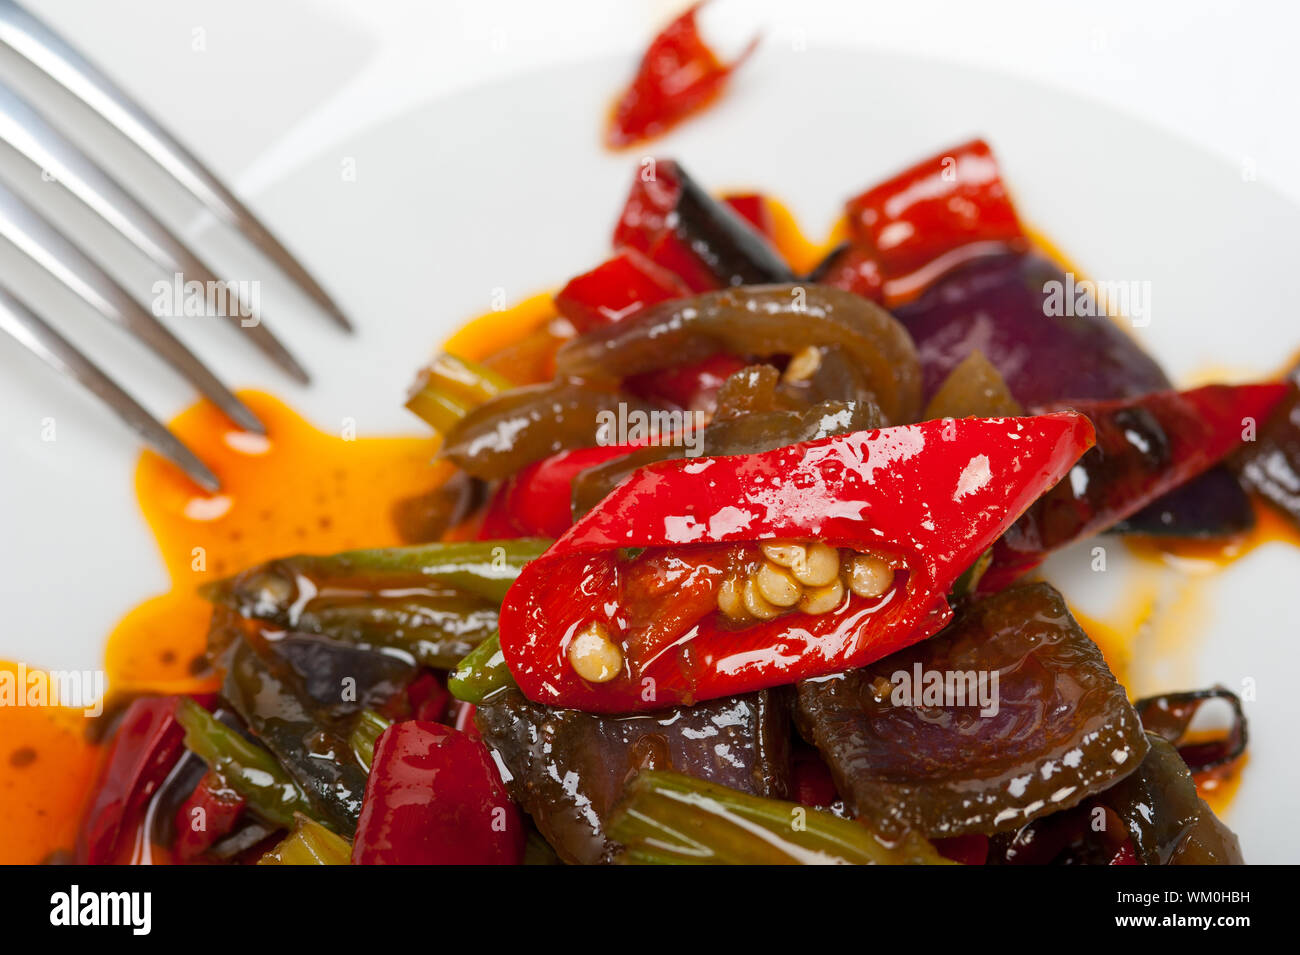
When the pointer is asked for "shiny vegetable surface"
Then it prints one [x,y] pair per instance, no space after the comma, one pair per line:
[671,819]
[1145,447]
[674,222]
[310,843]
[929,497]
[146,746]
[246,767]
[569,769]
[757,320]
[678,76]
[938,213]
[434,798]
[1008,714]
[1014,309]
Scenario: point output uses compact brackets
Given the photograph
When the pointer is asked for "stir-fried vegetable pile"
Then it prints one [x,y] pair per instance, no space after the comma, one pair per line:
[740,578]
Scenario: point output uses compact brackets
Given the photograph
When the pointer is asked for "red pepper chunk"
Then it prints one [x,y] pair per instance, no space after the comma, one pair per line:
[1146,447]
[147,745]
[930,211]
[931,496]
[679,75]
[620,287]
[434,798]
[207,815]
[537,502]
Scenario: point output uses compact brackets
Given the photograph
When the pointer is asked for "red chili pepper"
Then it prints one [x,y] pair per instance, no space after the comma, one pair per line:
[617,289]
[434,798]
[931,497]
[679,75]
[428,698]
[537,502]
[705,243]
[207,815]
[854,269]
[463,720]
[145,748]
[948,201]
[1146,447]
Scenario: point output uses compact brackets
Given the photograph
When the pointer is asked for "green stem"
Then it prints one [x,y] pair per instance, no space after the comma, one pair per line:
[247,768]
[310,843]
[670,819]
[450,388]
[364,734]
[482,673]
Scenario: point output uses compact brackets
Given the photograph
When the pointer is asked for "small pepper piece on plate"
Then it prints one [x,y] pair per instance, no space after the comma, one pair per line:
[434,798]
[679,75]
[941,212]
[763,569]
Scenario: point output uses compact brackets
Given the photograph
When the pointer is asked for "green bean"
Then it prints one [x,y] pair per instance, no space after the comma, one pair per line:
[247,768]
[481,674]
[670,819]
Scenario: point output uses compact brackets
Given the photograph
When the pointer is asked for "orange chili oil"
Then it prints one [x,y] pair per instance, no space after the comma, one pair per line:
[300,490]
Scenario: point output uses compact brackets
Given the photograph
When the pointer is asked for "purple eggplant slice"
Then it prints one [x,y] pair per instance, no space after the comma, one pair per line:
[1008,714]
[1155,811]
[568,769]
[999,306]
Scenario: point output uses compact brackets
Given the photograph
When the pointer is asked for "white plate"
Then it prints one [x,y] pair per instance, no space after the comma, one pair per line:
[504,187]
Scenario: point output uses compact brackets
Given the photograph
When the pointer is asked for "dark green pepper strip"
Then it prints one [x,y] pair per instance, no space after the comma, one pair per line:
[670,819]
[481,674]
[310,843]
[450,387]
[369,725]
[247,768]
[483,568]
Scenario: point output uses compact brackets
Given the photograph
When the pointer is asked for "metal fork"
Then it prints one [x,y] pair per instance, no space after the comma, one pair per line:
[24,130]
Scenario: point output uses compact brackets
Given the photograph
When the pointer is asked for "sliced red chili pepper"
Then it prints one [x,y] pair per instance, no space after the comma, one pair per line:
[1146,447]
[616,289]
[145,748]
[207,815]
[951,200]
[434,797]
[679,75]
[704,242]
[538,500]
[931,497]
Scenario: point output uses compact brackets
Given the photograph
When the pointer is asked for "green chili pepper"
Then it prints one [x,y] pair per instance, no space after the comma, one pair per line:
[481,674]
[667,818]
[247,768]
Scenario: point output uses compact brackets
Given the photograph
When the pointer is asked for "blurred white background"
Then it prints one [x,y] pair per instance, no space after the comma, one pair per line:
[1221,73]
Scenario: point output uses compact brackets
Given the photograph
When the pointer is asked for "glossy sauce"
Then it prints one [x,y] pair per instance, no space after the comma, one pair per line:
[303,490]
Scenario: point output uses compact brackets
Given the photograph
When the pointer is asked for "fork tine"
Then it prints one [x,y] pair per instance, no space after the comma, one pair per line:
[27,132]
[53,251]
[50,53]
[32,331]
